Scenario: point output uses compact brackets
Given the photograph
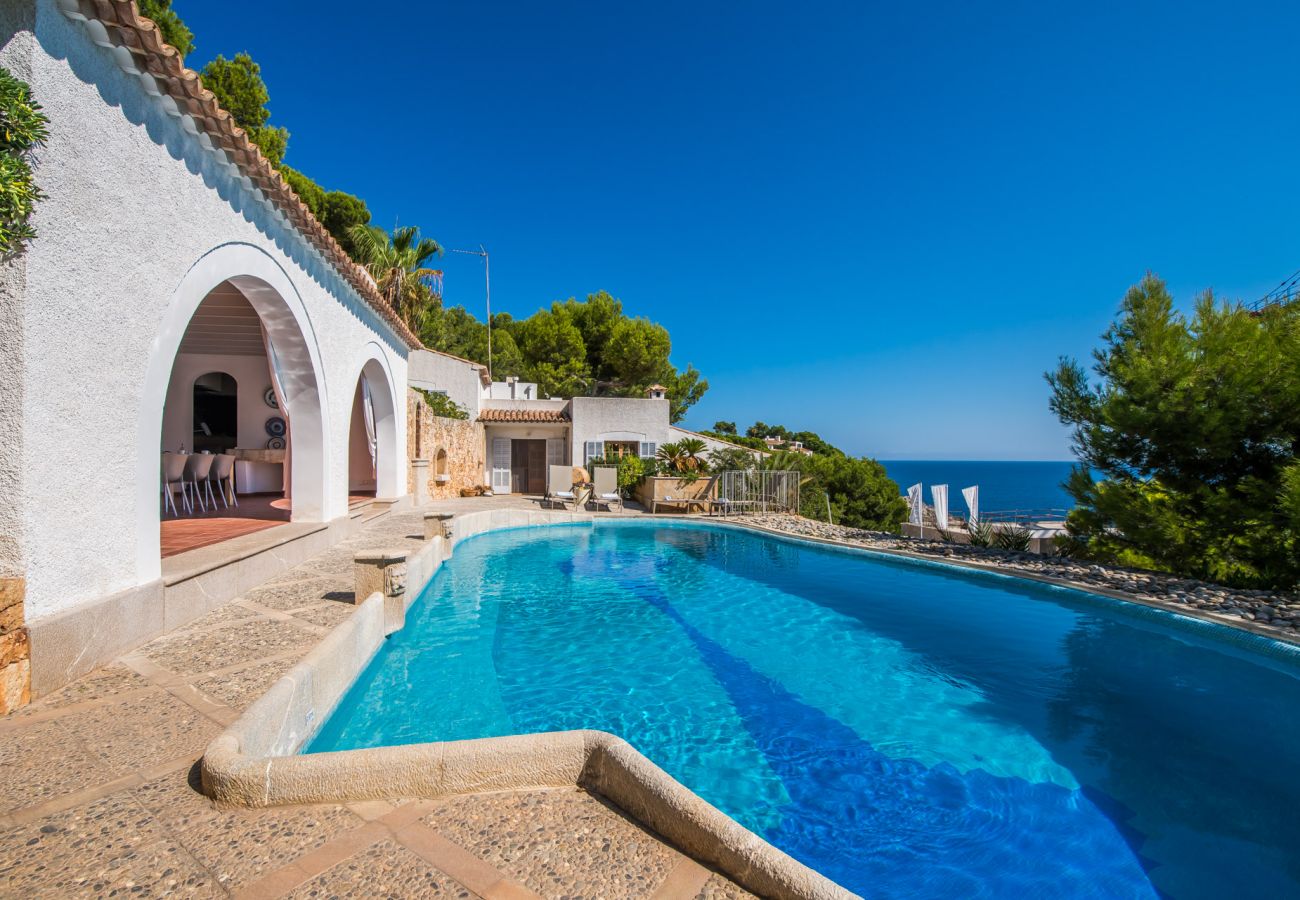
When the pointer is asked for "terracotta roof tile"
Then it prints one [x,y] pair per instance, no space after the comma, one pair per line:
[522,415]
[139,36]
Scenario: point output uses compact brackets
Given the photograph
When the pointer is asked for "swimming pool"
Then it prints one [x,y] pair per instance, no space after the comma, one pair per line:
[909,730]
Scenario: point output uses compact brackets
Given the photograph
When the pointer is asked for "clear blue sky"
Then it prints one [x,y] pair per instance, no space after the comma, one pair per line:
[881,222]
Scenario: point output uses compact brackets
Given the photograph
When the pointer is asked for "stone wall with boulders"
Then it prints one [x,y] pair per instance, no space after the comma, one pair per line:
[15,648]
[456,448]
[1264,612]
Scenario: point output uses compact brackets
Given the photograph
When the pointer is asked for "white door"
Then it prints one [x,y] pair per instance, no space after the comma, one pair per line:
[501,465]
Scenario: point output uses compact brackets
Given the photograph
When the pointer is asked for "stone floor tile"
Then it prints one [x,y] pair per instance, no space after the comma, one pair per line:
[55,855]
[98,685]
[191,653]
[162,869]
[39,762]
[557,843]
[294,594]
[141,732]
[337,561]
[719,888]
[176,800]
[325,614]
[385,870]
[231,612]
[241,846]
[238,689]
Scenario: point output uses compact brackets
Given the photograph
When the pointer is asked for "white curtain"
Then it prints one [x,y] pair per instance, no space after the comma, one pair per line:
[277,385]
[940,494]
[972,495]
[914,504]
[368,413]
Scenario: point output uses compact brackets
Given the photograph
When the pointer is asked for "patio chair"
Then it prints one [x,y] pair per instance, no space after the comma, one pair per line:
[173,478]
[559,487]
[197,466]
[223,473]
[606,492]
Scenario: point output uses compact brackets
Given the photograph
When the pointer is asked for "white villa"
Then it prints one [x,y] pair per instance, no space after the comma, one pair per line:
[512,434]
[180,299]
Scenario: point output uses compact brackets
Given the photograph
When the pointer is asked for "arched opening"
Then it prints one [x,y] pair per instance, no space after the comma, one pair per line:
[440,472]
[216,413]
[236,461]
[363,445]
[373,464]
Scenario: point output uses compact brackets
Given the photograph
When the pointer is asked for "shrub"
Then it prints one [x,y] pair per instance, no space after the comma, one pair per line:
[23,128]
[982,534]
[1015,538]
[442,405]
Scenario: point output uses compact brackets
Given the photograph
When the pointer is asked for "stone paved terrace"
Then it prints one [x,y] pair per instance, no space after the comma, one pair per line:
[98,784]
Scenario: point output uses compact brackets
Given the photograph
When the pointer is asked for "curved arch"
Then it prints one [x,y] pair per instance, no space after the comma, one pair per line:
[389,465]
[272,294]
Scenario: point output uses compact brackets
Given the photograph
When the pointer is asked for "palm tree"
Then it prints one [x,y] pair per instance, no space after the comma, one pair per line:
[672,456]
[397,262]
[693,450]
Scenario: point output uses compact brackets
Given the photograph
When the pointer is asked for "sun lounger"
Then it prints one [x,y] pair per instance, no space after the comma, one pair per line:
[686,502]
[606,492]
[560,488]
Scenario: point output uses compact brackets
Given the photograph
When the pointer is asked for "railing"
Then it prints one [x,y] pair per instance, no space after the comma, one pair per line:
[1027,517]
[756,490]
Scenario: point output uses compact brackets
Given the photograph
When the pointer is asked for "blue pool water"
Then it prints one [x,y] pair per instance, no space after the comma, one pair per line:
[909,730]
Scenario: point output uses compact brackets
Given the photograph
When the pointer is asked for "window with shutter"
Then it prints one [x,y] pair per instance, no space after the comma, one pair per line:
[501,465]
[554,452]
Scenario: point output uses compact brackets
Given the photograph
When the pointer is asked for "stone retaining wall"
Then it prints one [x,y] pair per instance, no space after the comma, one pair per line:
[15,648]
[462,440]
[1264,612]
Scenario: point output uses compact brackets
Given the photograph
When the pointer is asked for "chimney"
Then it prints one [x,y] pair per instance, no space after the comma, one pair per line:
[512,380]
[656,392]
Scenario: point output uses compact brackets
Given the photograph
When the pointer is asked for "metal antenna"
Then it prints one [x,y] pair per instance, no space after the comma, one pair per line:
[487,286]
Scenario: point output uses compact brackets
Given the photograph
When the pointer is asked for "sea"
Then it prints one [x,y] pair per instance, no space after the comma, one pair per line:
[1004,485]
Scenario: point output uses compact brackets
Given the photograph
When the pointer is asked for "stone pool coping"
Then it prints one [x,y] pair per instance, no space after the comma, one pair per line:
[256,761]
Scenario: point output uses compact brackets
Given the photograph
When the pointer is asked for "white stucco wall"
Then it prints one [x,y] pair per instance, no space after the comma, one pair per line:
[15,19]
[140,221]
[439,372]
[616,418]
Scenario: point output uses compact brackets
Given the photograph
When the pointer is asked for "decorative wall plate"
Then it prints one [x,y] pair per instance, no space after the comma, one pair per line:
[275,426]
[275,443]
[269,396]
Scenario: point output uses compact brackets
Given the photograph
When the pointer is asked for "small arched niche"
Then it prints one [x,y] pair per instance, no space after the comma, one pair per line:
[440,464]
